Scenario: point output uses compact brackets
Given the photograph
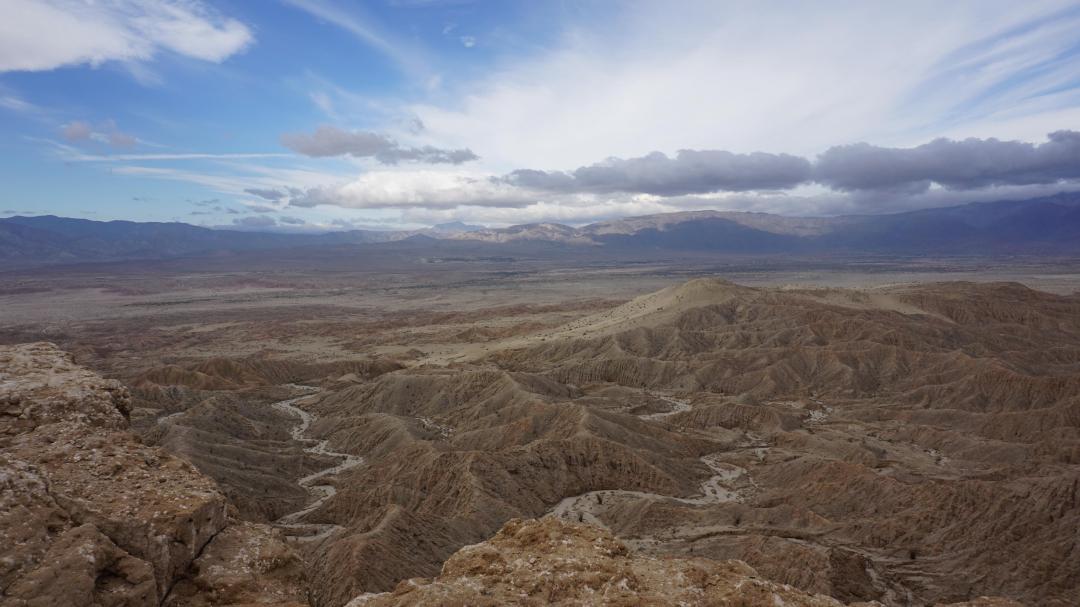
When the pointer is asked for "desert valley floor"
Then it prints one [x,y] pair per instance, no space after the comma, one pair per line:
[900,432]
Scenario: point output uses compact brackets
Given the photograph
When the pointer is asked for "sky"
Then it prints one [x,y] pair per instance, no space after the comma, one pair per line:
[308,115]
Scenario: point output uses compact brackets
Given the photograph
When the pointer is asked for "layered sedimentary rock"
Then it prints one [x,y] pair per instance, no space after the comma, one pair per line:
[887,445]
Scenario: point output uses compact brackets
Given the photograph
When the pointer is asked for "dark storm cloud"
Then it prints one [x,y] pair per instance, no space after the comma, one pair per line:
[954,165]
[858,176]
[689,172]
[957,165]
[426,154]
[329,141]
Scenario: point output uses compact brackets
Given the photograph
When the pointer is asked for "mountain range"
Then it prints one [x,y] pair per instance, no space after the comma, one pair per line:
[1048,225]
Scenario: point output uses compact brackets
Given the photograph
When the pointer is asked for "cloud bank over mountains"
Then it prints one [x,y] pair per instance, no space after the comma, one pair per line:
[954,165]
[846,178]
[689,172]
[526,112]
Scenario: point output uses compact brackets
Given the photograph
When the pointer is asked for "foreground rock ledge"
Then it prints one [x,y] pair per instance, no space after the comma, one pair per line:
[552,562]
[91,516]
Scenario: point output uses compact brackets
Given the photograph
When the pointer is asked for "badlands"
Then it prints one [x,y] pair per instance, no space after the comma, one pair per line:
[193,441]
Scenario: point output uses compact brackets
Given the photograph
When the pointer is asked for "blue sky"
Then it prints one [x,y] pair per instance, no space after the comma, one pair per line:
[323,114]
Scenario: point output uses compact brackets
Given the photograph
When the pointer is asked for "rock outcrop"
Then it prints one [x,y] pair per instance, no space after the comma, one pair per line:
[88,514]
[41,385]
[551,562]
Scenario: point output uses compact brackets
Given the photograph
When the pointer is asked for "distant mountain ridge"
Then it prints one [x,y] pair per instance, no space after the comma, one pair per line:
[1049,225]
[51,239]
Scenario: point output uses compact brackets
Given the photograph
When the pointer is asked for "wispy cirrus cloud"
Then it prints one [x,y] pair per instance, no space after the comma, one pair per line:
[353,19]
[177,156]
[746,76]
[735,105]
[14,103]
[77,131]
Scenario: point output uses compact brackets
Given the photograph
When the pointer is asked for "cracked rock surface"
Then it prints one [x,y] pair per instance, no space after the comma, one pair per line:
[552,562]
[88,514]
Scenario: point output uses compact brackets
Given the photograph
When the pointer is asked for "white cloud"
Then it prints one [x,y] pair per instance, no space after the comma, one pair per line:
[740,76]
[38,35]
[808,203]
[420,188]
[76,131]
[747,76]
[229,176]
[538,212]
